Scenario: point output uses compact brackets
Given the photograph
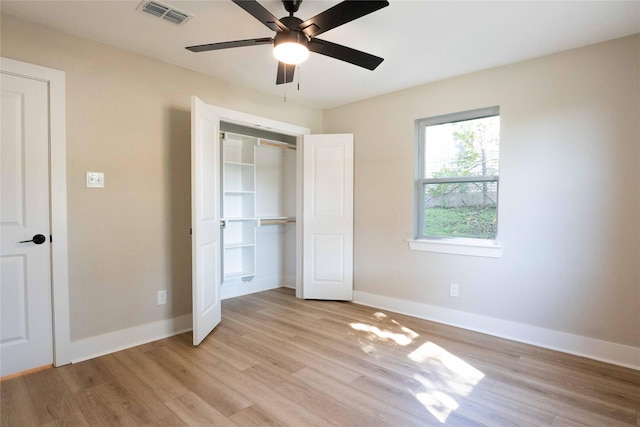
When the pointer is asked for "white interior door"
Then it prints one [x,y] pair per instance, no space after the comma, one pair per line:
[26,339]
[328,217]
[205,213]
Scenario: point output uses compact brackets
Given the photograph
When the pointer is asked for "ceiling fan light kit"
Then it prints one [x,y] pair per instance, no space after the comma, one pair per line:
[291,47]
[295,38]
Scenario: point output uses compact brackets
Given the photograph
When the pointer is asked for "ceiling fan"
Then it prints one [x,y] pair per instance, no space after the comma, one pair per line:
[295,38]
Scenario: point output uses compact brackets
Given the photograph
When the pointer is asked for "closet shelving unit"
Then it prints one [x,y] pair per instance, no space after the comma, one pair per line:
[239,204]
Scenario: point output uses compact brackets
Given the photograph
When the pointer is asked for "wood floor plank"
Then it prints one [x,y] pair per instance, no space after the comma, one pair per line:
[254,322]
[17,409]
[306,358]
[564,404]
[100,407]
[50,395]
[236,357]
[255,415]
[220,397]
[74,420]
[154,376]
[196,412]
[321,404]
[257,351]
[275,360]
[382,411]
[83,375]
[138,400]
[591,383]
[277,406]
[581,400]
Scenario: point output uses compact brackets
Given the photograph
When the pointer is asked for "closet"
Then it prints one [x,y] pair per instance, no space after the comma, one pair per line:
[258,210]
[271,206]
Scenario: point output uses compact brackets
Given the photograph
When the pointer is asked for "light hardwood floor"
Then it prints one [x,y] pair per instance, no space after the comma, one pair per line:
[278,361]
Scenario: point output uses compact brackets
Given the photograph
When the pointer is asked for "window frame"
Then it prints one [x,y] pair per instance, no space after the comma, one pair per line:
[427,242]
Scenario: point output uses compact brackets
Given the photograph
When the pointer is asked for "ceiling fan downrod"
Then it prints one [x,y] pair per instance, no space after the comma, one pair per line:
[291,6]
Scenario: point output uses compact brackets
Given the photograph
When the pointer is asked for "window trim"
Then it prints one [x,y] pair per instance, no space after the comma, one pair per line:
[453,245]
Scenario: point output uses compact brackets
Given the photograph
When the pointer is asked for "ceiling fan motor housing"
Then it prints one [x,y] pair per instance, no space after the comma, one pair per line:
[290,37]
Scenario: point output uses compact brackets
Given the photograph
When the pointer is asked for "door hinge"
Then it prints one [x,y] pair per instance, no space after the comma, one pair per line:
[50,238]
[221,135]
[191,232]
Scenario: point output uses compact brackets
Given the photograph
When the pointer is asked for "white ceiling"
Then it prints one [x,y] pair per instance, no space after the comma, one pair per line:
[421,41]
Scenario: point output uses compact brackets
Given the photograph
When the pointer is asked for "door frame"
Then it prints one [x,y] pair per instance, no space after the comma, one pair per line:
[55,80]
[259,122]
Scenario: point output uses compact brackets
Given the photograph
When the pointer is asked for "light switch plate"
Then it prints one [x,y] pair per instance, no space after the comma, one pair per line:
[95,179]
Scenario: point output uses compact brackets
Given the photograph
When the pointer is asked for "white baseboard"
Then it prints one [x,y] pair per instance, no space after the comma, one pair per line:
[617,354]
[100,345]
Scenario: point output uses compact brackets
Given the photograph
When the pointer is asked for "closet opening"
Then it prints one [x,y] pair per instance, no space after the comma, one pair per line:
[259,188]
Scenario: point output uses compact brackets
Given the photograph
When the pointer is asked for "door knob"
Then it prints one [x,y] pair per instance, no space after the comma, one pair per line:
[38,239]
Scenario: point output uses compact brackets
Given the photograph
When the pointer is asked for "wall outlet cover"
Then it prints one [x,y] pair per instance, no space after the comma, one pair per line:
[162,297]
[454,290]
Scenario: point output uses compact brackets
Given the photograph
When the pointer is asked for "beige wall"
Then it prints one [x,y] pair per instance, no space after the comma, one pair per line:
[569,214]
[129,117]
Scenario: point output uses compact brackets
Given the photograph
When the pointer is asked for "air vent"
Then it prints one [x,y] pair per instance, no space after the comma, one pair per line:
[164,11]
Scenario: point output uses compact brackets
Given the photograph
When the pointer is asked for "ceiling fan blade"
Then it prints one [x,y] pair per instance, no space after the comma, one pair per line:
[343,53]
[227,45]
[285,73]
[338,15]
[258,11]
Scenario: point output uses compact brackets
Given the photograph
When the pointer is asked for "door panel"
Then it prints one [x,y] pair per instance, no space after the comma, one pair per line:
[205,211]
[328,217]
[328,269]
[26,338]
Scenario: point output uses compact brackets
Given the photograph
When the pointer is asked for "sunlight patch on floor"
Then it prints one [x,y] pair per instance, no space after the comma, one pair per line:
[450,378]
[441,379]
[401,338]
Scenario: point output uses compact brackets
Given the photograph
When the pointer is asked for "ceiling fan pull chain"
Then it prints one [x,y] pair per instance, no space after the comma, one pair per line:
[298,78]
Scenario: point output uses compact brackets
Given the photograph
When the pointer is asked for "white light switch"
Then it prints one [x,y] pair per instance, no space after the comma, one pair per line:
[95,180]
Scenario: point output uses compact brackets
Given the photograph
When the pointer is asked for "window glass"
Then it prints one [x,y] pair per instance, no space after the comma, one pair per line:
[458,175]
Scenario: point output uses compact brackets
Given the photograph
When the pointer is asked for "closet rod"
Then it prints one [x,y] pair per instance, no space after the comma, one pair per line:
[277,221]
[276,144]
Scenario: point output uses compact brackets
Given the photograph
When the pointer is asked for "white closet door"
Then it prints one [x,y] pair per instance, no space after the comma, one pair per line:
[205,211]
[328,217]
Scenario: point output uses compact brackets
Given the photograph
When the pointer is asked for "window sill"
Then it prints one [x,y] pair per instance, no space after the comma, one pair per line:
[470,247]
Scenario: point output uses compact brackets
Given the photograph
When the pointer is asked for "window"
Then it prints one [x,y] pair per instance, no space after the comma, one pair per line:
[457,170]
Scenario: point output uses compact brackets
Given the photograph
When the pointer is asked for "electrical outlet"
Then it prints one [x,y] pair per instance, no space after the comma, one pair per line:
[162,297]
[454,290]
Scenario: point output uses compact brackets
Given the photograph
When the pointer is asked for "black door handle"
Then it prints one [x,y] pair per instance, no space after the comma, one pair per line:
[38,239]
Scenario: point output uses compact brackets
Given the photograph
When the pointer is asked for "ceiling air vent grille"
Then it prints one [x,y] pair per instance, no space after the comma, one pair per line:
[164,11]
